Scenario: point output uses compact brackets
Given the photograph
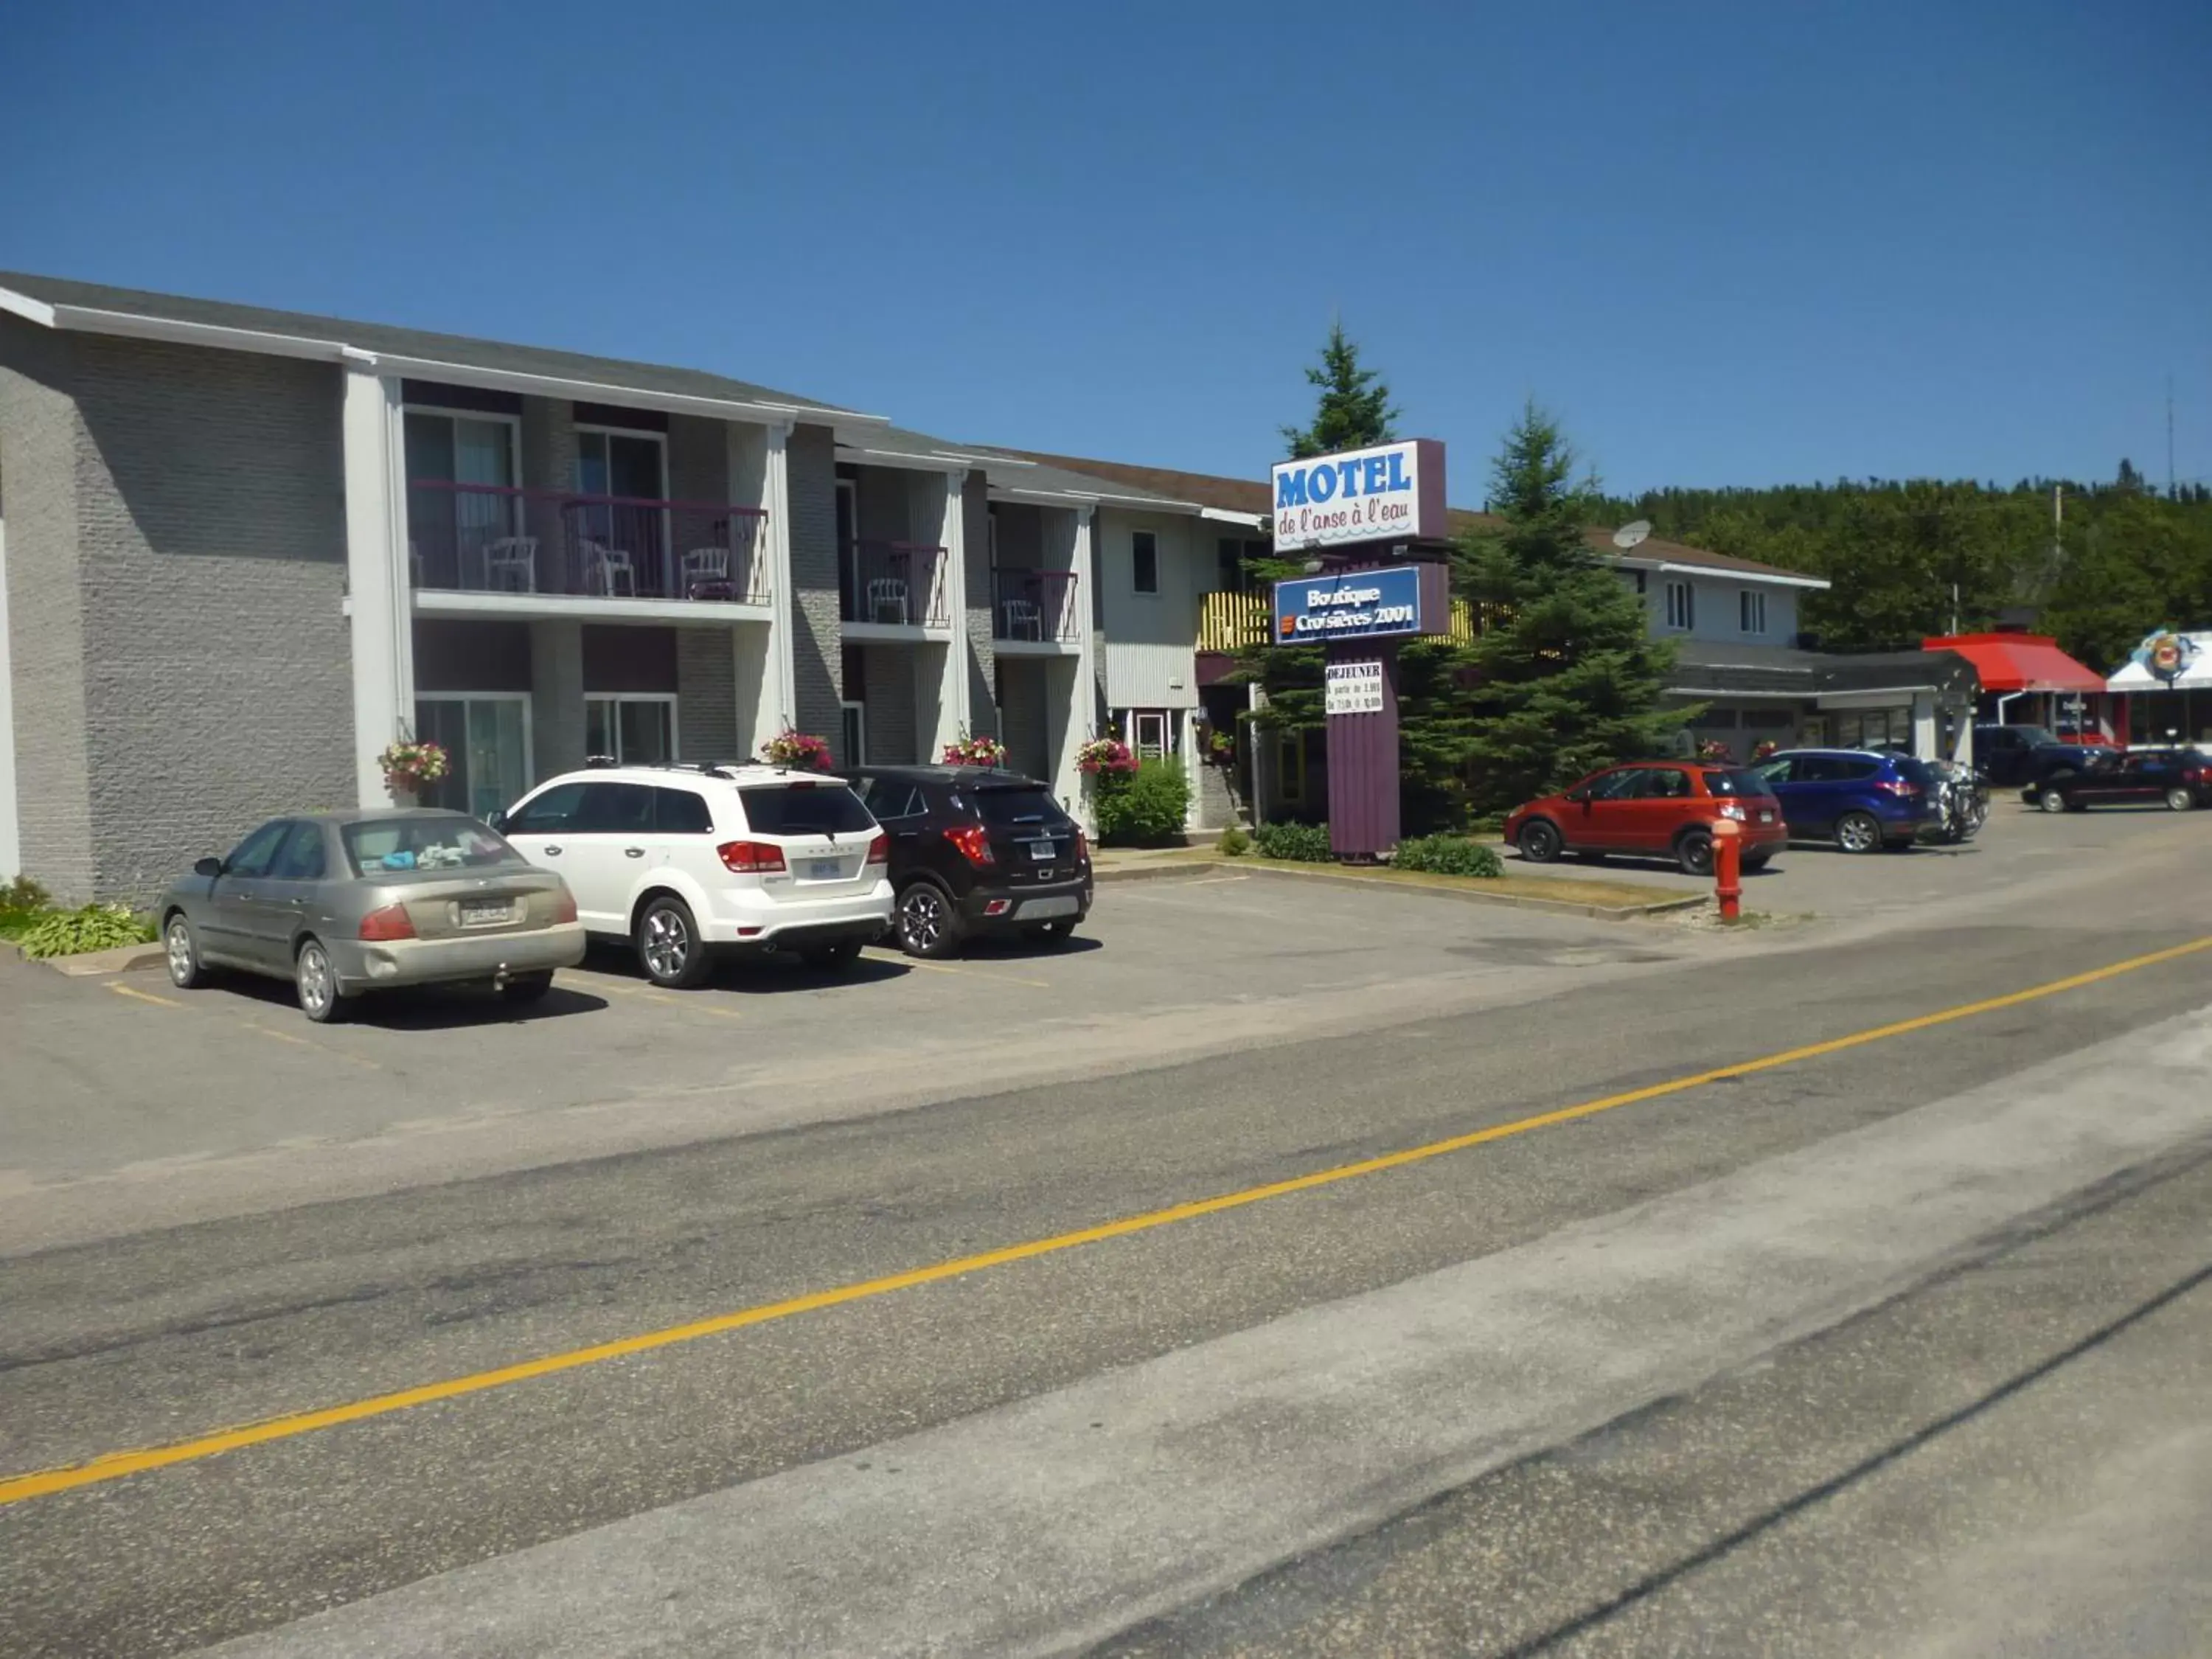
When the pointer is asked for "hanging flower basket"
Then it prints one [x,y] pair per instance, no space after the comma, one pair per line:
[1713,750]
[1766,750]
[408,766]
[975,751]
[800,750]
[1108,755]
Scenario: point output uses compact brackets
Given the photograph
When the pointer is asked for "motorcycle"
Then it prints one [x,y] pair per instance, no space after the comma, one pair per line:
[1962,802]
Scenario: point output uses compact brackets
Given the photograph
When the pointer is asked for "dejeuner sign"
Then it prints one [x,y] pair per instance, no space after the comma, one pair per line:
[1351,688]
[1394,491]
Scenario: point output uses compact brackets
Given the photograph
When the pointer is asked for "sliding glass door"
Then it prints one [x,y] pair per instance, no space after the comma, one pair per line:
[487,744]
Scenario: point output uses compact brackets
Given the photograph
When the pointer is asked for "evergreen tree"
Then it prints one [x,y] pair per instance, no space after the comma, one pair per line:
[1566,677]
[1354,409]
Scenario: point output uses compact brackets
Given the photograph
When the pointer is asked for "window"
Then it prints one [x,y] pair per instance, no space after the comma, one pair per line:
[1751,610]
[1682,606]
[682,812]
[302,858]
[252,856]
[487,744]
[1151,735]
[895,798]
[1013,809]
[805,809]
[553,813]
[631,730]
[1615,786]
[1145,562]
[460,476]
[853,719]
[1740,781]
[615,809]
[1662,783]
[423,844]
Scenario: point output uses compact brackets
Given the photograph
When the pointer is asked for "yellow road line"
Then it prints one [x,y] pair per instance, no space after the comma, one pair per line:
[136,994]
[905,961]
[114,1466]
[278,1037]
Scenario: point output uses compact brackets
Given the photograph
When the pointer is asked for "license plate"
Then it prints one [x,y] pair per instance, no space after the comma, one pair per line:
[486,913]
[1766,817]
[1051,907]
[824,869]
[1040,851]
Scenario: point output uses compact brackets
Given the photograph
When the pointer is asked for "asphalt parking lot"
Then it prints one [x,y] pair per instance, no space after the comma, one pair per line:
[232,1089]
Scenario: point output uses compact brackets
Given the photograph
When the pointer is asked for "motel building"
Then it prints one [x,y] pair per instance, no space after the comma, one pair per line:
[242,551]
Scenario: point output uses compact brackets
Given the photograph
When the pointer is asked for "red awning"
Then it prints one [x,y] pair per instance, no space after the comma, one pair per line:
[2019,662]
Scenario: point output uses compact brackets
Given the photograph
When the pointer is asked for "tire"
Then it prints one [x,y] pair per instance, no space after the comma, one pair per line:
[2179,798]
[1541,841]
[669,948]
[926,921]
[1858,832]
[186,971]
[317,983]
[2051,801]
[1694,853]
[836,958]
[528,988]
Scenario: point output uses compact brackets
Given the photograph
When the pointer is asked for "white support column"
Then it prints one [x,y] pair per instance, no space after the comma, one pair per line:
[766,672]
[11,822]
[379,580]
[948,697]
[1073,723]
[1924,741]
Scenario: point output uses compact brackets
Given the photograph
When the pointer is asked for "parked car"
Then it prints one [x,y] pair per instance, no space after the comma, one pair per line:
[690,862]
[977,851]
[1660,809]
[344,903]
[1863,799]
[2023,756]
[2182,778]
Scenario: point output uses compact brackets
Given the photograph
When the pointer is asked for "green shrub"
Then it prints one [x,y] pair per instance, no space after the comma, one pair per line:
[1234,842]
[1449,855]
[1308,843]
[22,901]
[1145,808]
[94,928]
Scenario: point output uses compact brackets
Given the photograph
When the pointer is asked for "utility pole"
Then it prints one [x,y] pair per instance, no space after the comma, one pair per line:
[2169,437]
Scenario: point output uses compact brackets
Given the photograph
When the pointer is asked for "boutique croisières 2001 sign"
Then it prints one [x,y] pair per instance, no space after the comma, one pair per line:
[1392,492]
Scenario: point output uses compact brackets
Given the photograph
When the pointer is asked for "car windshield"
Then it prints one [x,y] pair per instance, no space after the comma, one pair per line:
[1737,781]
[805,808]
[1915,771]
[1018,809]
[2033,736]
[382,845]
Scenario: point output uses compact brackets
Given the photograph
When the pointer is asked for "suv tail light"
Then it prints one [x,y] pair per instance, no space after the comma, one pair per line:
[564,907]
[1082,848]
[751,857]
[1729,809]
[975,844]
[1897,786]
[880,849]
[391,922]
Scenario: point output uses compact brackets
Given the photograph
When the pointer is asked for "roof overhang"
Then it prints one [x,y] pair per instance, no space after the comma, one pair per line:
[130,324]
[1772,578]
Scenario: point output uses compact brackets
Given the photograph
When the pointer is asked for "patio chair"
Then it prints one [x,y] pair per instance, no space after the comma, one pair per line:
[510,564]
[604,566]
[1023,621]
[707,573]
[887,593]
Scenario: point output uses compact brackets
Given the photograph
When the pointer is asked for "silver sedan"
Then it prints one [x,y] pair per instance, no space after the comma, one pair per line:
[344,903]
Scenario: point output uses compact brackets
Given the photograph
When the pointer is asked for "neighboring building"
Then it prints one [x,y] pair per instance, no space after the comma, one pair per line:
[245,550]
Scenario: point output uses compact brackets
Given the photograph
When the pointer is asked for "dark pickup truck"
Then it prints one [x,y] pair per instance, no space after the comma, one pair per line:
[2025,758]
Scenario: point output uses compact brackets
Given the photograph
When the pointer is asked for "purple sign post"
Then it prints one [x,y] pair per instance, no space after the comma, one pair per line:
[1376,520]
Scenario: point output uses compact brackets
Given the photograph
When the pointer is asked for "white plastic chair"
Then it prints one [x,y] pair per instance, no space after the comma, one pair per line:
[1023,621]
[887,593]
[603,566]
[705,564]
[510,564]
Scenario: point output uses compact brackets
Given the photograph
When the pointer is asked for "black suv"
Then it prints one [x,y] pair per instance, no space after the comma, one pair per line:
[975,850]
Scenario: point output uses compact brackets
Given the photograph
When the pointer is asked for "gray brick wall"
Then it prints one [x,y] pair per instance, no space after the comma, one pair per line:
[976,537]
[811,460]
[1028,730]
[217,659]
[706,695]
[892,740]
[698,458]
[548,462]
[39,438]
[556,698]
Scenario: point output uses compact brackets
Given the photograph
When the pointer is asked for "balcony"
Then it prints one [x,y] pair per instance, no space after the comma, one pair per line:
[1228,621]
[1034,607]
[893,585]
[488,539]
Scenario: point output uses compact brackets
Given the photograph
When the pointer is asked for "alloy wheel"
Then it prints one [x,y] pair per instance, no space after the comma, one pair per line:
[667,943]
[2179,798]
[1859,833]
[178,938]
[317,990]
[921,918]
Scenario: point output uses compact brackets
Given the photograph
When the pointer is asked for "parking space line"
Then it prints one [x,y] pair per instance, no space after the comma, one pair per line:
[905,961]
[138,995]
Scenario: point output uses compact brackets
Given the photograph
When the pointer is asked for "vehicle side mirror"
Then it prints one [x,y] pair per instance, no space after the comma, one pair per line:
[207,866]
[1580,797]
[497,822]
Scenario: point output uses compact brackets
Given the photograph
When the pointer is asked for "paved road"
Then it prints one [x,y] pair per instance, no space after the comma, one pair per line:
[1839,1353]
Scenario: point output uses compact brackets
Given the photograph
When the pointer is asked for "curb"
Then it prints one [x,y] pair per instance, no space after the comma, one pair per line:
[1470,894]
[1152,872]
[122,959]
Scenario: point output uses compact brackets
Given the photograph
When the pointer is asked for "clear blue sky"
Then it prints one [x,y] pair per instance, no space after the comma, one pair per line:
[1726,243]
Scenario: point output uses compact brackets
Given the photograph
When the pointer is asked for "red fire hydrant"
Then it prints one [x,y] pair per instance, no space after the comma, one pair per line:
[1728,867]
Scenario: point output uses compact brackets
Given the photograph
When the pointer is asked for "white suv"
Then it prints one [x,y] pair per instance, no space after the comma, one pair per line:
[684,860]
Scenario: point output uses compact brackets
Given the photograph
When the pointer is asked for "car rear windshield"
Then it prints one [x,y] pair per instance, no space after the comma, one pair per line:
[383,845]
[805,808]
[1915,771]
[1736,782]
[1018,809]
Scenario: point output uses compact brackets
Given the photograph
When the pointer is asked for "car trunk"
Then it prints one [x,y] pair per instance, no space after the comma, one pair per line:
[821,828]
[451,904]
[1031,839]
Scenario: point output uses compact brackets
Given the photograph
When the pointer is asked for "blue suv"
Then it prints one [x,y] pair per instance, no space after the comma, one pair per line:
[1864,801]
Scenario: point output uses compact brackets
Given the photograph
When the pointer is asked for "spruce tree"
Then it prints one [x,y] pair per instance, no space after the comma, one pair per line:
[1566,677]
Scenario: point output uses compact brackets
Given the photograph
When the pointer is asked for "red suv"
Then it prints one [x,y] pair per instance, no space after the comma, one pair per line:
[1655,809]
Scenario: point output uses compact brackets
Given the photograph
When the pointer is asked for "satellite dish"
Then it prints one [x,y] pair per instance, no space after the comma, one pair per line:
[1629,534]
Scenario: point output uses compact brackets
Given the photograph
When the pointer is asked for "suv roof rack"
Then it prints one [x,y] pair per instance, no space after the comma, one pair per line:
[710,768]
